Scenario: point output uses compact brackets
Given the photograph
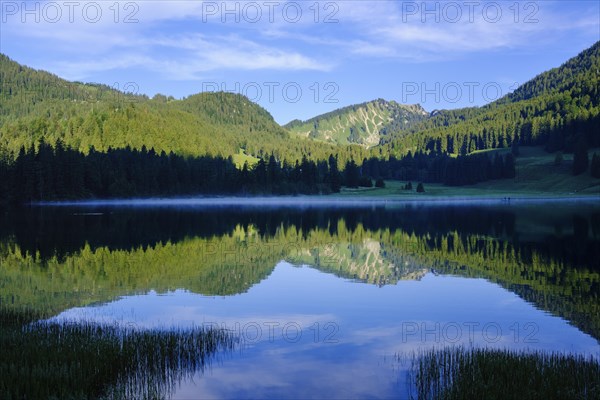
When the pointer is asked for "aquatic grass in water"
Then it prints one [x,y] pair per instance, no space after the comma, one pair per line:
[459,373]
[87,360]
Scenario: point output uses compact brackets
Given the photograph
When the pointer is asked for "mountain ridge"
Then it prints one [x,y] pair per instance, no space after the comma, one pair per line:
[37,105]
[366,124]
[553,109]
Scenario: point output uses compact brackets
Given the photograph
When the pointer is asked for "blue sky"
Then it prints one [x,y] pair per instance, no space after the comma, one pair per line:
[302,58]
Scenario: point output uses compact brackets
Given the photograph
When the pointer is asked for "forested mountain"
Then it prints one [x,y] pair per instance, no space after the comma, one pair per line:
[576,76]
[230,109]
[61,139]
[28,92]
[36,105]
[368,124]
[556,109]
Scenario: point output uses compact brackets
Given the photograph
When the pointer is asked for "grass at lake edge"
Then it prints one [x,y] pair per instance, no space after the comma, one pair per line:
[459,373]
[84,360]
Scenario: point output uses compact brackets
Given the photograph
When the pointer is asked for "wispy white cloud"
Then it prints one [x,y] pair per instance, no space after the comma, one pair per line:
[388,29]
[176,52]
[186,39]
[196,54]
[79,70]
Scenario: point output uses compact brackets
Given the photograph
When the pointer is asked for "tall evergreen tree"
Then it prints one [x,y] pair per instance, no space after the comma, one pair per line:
[580,156]
[514,148]
[595,166]
[351,174]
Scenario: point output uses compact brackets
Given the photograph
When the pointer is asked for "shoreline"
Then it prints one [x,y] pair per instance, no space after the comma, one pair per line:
[336,200]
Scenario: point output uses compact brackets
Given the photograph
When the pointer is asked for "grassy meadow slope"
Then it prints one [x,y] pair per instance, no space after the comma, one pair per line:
[537,175]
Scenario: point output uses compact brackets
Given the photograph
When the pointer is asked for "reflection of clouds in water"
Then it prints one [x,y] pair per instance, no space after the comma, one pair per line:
[437,310]
[299,375]
[376,325]
[525,335]
[164,312]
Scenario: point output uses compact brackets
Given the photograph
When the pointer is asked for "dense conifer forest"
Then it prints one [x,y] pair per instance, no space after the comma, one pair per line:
[61,139]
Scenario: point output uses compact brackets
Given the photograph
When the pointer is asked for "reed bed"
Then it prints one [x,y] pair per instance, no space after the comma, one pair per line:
[459,373]
[44,360]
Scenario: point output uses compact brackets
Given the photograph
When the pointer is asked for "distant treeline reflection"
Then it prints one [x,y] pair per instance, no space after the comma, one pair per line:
[547,255]
[58,232]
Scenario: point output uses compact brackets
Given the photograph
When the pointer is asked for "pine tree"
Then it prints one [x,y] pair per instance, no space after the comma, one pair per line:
[351,174]
[514,148]
[335,179]
[5,180]
[273,171]
[595,166]
[260,172]
[580,156]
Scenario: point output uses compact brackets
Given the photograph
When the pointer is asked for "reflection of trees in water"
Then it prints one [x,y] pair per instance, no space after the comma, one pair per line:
[62,231]
[552,264]
[556,275]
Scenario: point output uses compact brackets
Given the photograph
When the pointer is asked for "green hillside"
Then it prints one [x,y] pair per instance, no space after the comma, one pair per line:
[555,109]
[229,109]
[558,110]
[36,105]
[367,124]
[579,75]
[26,92]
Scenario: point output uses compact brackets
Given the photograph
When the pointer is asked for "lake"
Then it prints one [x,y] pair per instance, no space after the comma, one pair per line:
[326,300]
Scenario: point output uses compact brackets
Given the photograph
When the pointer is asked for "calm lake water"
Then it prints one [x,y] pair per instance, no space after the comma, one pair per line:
[328,302]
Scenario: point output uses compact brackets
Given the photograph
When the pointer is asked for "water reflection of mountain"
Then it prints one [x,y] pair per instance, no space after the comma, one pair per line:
[60,231]
[53,259]
[366,261]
